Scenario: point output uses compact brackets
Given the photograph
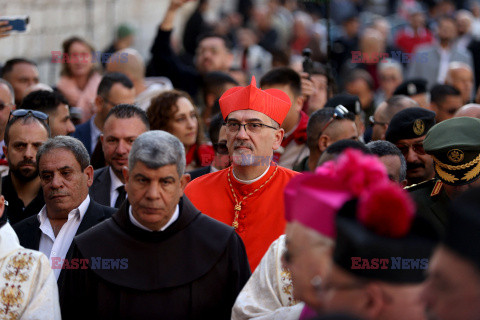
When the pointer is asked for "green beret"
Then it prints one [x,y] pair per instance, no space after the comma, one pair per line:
[455,147]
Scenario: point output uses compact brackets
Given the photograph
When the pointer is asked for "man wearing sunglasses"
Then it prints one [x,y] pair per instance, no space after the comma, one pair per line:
[218,135]
[325,127]
[25,132]
[407,131]
[249,194]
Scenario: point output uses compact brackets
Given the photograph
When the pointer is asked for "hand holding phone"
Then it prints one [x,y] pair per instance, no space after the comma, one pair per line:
[4,29]
[17,23]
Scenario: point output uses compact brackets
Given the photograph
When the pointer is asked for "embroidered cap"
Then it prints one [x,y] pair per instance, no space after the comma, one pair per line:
[273,102]
[410,123]
[455,147]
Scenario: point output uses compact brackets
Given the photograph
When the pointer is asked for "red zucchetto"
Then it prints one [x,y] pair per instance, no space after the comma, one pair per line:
[272,102]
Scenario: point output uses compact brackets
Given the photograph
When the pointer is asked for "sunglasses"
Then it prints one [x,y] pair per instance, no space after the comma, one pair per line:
[220,148]
[19,113]
[417,147]
[339,113]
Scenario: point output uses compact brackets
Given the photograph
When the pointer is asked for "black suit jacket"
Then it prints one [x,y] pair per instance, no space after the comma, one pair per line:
[200,172]
[100,189]
[84,134]
[29,233]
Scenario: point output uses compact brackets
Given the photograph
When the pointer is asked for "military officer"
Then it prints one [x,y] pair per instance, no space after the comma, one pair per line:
[455,148]
[407,130]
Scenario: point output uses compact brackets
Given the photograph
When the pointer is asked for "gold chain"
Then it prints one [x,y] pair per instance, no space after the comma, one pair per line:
[238,205]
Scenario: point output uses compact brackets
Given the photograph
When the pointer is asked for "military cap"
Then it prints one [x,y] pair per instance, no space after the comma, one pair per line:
[411,87]
[455,147]
[349,101]
[464,223]
[410,123]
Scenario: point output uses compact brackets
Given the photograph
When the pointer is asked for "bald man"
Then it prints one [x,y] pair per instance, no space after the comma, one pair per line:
[130,63]
[460,76]
[469,110]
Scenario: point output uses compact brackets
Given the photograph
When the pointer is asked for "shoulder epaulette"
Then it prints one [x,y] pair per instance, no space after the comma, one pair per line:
[437,188]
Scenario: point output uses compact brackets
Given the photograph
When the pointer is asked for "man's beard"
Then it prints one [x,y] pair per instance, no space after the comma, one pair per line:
[24,175]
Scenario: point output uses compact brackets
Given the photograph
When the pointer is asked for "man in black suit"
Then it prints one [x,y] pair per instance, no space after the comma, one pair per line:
[65,175]
[218,136]
[115,88]
[123,124]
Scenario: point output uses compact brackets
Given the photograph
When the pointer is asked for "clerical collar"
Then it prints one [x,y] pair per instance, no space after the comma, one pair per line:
[139,225]
[250,181]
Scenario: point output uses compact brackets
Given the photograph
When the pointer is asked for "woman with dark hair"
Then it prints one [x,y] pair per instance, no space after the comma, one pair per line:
[79,78]
[173,111]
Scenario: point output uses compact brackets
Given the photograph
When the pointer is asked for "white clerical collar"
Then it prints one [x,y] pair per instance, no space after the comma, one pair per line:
[115,181]
[250,181]
[141,226]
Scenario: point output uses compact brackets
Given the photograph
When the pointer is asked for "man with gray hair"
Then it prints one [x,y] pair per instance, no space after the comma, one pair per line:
[65,176]
[392,158]
[160,257]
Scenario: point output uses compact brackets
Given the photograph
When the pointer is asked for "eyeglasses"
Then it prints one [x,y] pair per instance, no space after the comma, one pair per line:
[340,112]
[19,113]
[252,127]
[373,122]
[417,147]
[220,148]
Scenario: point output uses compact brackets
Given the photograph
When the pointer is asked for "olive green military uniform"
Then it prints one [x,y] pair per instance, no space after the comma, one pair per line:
[454,145]
[431,200]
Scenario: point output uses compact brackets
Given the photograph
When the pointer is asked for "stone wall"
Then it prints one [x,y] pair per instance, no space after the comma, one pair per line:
[52,21]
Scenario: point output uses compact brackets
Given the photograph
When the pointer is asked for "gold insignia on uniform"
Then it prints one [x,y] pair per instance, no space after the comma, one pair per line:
[418,127]
[436,188]
[469,175]
[472,173]
[455,155]
[445,176]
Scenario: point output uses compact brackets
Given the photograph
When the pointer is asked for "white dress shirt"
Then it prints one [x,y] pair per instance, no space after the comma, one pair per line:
[141,226]
[57,247]
[443,67]
[113,188]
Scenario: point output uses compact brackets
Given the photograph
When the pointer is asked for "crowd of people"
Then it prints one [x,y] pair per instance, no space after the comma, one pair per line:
[284,162]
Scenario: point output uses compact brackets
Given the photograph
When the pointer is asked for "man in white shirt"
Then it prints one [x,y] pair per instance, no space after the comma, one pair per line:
[124,123]
[65,175]
[32,293]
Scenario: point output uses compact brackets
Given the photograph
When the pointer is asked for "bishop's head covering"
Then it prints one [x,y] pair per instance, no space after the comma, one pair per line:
[272,102]
[313,199]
